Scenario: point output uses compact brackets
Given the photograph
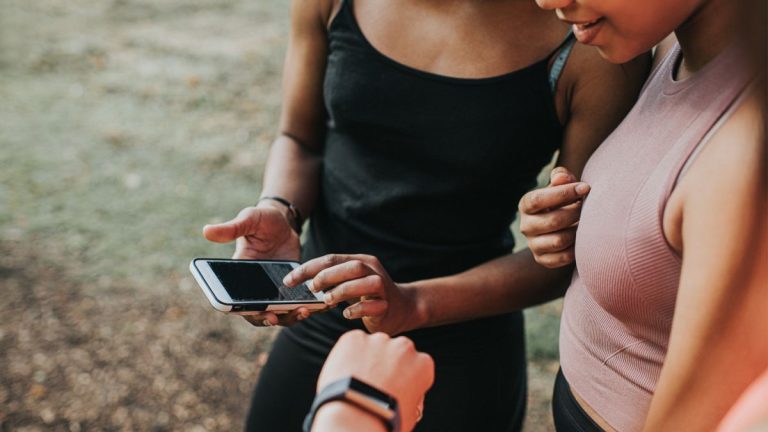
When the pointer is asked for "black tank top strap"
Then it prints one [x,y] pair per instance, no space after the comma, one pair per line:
[560,54]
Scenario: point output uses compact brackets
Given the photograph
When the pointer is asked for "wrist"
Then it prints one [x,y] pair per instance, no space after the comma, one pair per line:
[343,416]
[291,213]
[419,315]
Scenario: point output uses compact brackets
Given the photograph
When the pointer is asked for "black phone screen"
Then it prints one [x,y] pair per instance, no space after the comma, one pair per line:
[250,281]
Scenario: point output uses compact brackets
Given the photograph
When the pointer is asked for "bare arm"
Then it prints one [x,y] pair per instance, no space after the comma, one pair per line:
[549,216]
[719,340]
[292,169]
[266,231]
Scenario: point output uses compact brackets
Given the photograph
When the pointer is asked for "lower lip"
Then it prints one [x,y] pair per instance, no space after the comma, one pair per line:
[587,35]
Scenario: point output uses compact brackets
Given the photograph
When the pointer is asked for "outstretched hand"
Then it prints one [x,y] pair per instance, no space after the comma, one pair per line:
[261,232]
[549,217]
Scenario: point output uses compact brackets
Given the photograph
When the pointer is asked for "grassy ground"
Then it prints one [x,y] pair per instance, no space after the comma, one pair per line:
[125,125]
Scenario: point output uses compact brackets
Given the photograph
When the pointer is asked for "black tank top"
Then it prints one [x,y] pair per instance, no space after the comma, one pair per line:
[421,170]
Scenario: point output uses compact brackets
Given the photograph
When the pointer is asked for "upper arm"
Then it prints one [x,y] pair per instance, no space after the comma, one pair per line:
[598,94]
[303,113]
[719,339]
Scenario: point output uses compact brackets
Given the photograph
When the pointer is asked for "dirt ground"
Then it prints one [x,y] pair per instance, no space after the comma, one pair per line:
[125,125]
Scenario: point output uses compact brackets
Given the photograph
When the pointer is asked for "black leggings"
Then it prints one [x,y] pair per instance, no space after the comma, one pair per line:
[480,384]
[568,414]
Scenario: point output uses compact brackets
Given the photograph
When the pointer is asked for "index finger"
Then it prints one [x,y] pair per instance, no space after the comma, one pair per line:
[311,268]
[553,196]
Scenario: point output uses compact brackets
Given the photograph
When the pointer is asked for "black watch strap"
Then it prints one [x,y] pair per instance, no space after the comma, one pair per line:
[361,395]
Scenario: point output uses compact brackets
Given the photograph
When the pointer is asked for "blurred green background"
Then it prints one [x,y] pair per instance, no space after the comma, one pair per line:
[125,126]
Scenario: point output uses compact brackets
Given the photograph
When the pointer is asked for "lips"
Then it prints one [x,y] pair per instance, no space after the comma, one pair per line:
[586,31]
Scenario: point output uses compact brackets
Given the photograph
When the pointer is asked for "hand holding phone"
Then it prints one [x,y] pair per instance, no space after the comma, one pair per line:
[254,288]
[260,233]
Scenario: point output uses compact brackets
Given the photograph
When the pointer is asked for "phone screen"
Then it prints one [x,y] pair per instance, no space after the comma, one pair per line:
[248,281]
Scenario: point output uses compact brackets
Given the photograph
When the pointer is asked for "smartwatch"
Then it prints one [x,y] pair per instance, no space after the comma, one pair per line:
[361,395]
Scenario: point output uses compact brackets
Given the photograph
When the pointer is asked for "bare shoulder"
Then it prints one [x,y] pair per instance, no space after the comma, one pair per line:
[726,175]
[736,150]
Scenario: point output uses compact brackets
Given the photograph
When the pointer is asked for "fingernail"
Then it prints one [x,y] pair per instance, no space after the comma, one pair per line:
[300,317]
[557,170]
[582,188]
[328,298]
[266,323]
[347,313]
[287,280]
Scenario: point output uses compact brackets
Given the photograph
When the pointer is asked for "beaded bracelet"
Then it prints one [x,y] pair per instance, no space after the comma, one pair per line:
[298,221]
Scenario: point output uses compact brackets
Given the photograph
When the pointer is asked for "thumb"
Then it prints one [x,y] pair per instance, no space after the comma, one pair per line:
[229,231]
[560,176]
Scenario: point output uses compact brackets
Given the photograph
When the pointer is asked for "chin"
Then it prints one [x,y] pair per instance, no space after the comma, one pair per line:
[619,54]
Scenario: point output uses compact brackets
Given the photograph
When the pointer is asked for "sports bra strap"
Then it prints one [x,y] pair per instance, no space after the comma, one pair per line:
[563,52]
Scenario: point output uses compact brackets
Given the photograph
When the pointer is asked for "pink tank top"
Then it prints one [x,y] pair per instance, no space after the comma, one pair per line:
[618,310]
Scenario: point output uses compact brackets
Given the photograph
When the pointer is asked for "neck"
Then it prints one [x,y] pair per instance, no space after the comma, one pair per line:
[705,34]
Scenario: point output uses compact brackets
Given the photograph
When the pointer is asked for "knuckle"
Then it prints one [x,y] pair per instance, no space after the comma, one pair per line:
[329,260]
[567,257]
[376,282]
[358,266]
[531,201]
[353,336]
[558,242]
[425,360]
[379,337]
[358,334]
[554,222]
[368,258]
[545,260]
[299,272]
[339,292]
[404,343]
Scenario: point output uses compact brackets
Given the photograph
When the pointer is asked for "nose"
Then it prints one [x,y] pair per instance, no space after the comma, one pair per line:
[554,4]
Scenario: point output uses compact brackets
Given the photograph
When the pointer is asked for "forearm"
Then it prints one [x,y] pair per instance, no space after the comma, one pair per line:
[292,172]
[340,417]
[506,284]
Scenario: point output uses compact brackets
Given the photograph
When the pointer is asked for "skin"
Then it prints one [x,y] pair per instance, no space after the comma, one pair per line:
[488,38]
[406,375]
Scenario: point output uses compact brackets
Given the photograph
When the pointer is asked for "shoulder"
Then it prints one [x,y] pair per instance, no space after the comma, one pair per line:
[737,148]
[315,13]
[729,173]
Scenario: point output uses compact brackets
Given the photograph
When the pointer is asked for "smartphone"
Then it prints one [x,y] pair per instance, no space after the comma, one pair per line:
[243,286]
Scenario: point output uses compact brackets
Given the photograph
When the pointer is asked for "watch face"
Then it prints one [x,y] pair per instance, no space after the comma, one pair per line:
[379,396]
